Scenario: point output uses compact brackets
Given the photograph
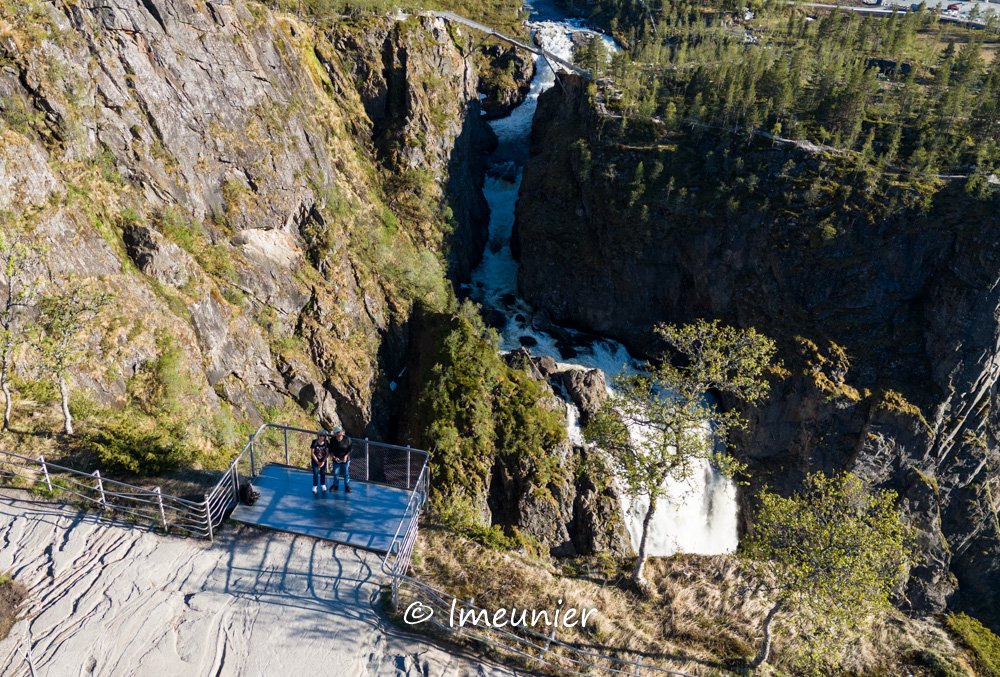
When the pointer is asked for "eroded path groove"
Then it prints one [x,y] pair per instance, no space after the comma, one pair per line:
[115,599]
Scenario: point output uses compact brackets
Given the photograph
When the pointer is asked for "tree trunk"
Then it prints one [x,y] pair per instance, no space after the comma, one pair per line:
[765,645]
[640,563]
[6,395]
[67,417]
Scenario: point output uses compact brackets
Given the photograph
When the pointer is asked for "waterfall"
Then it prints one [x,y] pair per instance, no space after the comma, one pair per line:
[700,515]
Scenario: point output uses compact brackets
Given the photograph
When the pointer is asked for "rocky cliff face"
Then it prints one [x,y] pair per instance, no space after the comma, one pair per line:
[260,191]
[885,309]
[576,511]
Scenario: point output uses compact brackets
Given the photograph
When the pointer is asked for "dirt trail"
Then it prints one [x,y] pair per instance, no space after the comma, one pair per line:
[109,599]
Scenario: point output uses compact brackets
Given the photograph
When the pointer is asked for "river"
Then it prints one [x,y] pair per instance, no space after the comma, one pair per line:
[699,516]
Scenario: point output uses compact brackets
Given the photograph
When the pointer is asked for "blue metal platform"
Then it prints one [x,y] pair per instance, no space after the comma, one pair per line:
[366,518]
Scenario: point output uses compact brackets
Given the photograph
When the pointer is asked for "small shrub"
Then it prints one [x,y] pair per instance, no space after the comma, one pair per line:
[42,392]
[42,489]
[936,664]
[120,446]
[979,639]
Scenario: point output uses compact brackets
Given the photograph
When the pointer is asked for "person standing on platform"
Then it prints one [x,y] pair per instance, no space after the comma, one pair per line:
[319,450]
[340,451]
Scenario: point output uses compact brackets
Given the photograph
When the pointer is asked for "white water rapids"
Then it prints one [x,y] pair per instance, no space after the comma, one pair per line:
[700,515]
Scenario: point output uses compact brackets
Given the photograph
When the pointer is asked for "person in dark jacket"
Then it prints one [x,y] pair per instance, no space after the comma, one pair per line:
[340,452]
[319,450]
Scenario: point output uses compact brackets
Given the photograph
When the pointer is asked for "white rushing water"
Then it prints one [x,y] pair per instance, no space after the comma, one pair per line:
[700,515]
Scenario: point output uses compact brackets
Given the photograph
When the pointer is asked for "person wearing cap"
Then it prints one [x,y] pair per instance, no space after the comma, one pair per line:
[319,449]
[340,452]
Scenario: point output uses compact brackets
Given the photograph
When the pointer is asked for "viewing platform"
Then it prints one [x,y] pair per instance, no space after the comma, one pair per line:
[369,517]
[388,489]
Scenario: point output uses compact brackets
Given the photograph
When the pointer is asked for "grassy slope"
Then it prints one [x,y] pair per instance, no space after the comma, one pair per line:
[705,618]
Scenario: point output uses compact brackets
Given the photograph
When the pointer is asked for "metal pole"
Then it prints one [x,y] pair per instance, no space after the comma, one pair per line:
[253,467]
[286,446]
[208,512]
[45,469]
[100,486]
[552,636]
[407,467]
[159,499]
[368,462]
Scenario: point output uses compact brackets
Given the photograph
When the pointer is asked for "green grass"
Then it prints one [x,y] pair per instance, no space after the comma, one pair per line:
[979,639]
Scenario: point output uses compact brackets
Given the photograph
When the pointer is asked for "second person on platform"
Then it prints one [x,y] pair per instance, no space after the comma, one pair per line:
[340,454]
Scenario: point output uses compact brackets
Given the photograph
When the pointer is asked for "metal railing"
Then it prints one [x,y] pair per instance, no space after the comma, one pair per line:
[375,462]
[388,464]
[174,514]
[523,642]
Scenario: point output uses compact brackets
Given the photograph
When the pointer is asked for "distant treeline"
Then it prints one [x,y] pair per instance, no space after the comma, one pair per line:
[905,89]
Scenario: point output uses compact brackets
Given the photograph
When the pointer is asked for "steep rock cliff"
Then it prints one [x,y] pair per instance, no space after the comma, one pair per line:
[885,309]
[263,193]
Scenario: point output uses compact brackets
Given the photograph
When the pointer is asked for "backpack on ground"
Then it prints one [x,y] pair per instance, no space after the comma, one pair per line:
[248,494]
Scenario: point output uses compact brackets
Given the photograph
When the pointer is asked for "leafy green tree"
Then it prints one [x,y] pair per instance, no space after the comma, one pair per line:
[834,550]
[656,425]
[64,317]
[19,286]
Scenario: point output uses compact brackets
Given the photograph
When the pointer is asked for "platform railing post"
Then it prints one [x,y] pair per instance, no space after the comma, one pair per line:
[253,466]
[100,486]
[45,469]
[407,467]
[159,499]
[208,514]
[548,643]
[286,446]
[368,462]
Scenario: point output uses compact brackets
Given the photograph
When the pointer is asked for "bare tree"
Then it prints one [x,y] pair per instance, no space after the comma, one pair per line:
[64,317]
[19,289]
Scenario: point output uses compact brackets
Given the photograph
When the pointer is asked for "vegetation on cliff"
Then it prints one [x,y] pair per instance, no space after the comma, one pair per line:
[984,645]
[262,256]
[835,550]
[703,617]
[904,91]
[476,411]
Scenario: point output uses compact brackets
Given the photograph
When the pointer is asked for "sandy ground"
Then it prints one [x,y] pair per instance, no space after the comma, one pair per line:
[115,599]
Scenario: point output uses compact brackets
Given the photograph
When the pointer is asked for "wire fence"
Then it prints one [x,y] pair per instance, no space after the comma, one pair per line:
[376,462]
[173,514]
[391,465]
[454,617]
[440,609]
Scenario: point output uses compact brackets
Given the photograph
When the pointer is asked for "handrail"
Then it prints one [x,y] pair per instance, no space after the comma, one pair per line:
[50,464]
[581,661]
[200,519]
[171,512]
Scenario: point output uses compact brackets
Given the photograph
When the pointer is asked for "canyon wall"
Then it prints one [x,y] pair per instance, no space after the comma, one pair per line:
[885,310]
[270,195]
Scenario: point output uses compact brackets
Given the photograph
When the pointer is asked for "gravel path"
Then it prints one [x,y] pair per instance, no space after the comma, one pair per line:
[111,599]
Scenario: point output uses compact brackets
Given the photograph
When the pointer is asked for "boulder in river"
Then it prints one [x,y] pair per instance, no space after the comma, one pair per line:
[587,389]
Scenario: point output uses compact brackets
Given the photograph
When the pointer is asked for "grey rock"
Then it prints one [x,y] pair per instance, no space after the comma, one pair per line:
[587,389]
[157,257]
